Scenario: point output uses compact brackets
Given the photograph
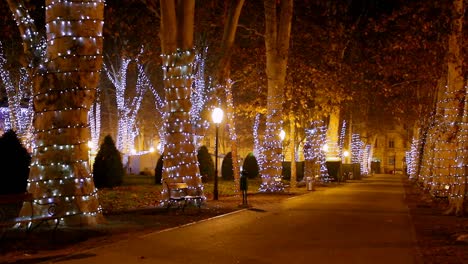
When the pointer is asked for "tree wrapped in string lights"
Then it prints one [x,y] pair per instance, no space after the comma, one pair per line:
[180,155]
[19,114]
[94,120]
[200,94]
[127,107]
[65,73]
[314,157]
[278,16]
[341,141]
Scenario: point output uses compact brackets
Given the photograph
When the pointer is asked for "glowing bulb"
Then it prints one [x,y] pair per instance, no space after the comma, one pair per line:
[152,149]
[217,115]
[325,148]
[282,135]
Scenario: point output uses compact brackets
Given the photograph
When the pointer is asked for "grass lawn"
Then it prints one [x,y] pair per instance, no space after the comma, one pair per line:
[139,191]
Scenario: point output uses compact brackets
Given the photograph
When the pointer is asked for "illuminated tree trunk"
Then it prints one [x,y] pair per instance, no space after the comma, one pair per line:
[333,131]
[20,121]
[224,82]
[445,166]
[292,148]
[430,136]
[232,136]
[64,85]
[180,157]
[456,84]
[277,36]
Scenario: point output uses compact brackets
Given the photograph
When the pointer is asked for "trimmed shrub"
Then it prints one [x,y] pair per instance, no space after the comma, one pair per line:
[226,167]
[205,164]
[14,164]
[108,170]
[251,166]
[159,170]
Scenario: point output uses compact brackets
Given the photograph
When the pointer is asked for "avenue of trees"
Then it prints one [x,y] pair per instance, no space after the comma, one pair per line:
[289,64]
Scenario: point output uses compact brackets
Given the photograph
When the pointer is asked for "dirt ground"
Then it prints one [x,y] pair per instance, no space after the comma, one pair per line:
[436,233]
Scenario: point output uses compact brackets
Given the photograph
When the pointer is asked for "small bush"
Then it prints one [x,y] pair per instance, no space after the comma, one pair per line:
[205,164]
[14,164]
[158,170]
[108,170]
[226,167]
[251,166]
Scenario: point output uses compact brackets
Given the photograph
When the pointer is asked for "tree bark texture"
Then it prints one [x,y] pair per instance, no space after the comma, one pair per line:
[180,156]
[445,167]
[277,37]
[292,149]
[457,181]
[224,82]
[232,136]
[333,132]
[64,89]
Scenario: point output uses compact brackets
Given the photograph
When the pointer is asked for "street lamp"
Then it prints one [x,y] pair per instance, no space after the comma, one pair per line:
[217,116]
[282,134]
[345,155]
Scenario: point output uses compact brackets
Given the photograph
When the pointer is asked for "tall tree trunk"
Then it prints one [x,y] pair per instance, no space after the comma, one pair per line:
[454,94]
[224,82]
[180,156]
[277,36]
[65,83]
[333,132]
[292,148]
[456,82]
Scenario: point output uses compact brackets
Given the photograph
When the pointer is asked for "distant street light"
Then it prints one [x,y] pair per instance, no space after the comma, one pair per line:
[282,134]
[217,116]
[325,148]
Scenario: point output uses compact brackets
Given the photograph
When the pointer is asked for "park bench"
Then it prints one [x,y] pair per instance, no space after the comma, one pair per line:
[180,194]
[9,204]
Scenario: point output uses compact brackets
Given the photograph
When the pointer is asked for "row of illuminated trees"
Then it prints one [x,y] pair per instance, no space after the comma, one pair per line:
[65,65]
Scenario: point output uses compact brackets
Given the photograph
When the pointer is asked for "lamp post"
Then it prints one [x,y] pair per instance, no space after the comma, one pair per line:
[217,116]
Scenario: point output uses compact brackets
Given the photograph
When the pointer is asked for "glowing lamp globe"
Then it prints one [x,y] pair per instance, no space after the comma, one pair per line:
[217,115]
[282,135]
[325,148]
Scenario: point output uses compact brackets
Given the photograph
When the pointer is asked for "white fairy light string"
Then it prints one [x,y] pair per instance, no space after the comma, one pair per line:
[342,140]
[20,115]
[258,149]
[199,97]
[94,119]
[272,156]
[313,149]
[180,155]
[64,89]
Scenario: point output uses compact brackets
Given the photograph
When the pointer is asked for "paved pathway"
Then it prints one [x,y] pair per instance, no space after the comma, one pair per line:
[357,222]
